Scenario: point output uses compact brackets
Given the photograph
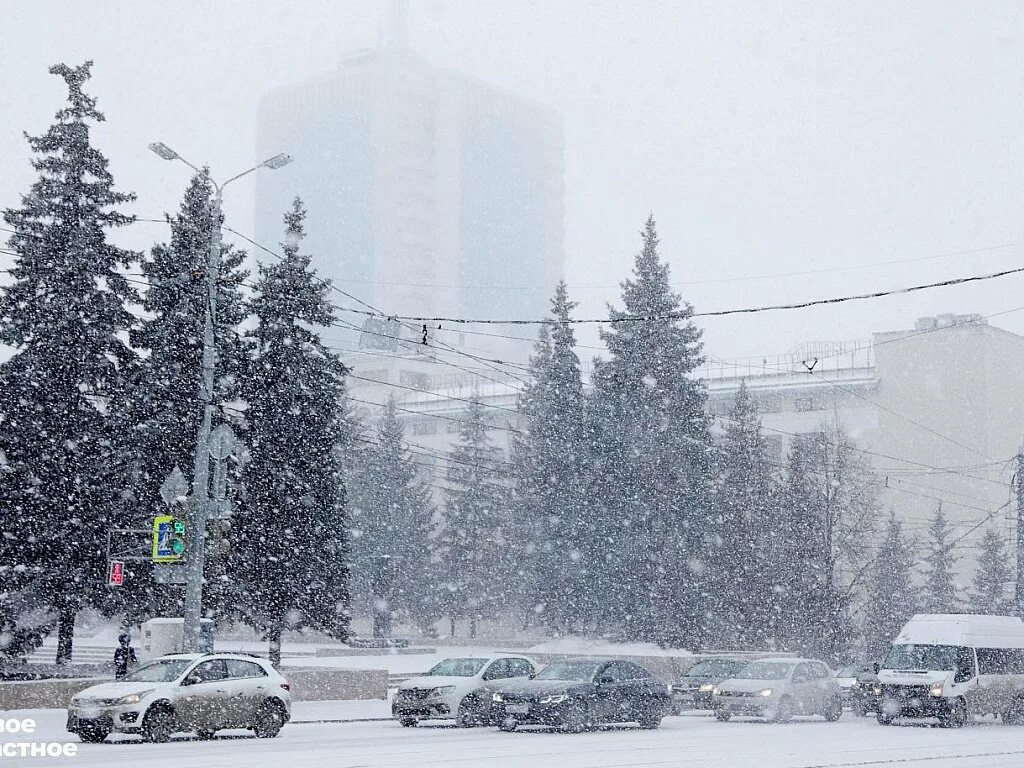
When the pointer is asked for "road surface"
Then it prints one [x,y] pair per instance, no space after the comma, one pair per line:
[688,741]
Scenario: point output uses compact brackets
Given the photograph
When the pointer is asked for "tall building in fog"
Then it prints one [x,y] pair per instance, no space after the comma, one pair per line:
[429,191]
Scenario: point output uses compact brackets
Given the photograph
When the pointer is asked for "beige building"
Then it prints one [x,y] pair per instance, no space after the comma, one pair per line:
[936,410]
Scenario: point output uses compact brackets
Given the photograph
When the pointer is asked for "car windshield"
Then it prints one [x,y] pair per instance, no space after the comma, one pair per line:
[582,671]
[764,670]
[721,668]
[158,671]
[931,657]
[458,667]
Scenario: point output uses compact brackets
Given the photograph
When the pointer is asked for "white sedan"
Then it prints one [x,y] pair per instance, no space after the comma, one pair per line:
[455,689]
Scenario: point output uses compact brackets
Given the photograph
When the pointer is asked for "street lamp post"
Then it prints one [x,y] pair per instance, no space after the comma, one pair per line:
[198,510]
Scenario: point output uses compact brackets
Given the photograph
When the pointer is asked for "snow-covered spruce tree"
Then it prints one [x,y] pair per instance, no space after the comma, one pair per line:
[165,403]
[471,543]
[992,576]
[891,596]
[548,460]
[745,504]
[391,515]
[939,594]
[66,315]
[648,479]
[826,521]
[289,539]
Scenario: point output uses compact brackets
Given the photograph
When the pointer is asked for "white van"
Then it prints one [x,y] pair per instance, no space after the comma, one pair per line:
[952,666]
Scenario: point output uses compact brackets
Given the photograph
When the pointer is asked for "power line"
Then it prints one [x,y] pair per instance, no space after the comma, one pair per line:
[436,394]
[437,416]
[720,312]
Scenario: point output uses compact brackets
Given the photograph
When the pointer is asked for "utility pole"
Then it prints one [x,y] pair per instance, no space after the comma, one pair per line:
[198,510]
[1019,595]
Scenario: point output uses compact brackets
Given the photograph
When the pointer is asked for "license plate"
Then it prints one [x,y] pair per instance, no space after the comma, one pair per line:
[517,709]
[88,714]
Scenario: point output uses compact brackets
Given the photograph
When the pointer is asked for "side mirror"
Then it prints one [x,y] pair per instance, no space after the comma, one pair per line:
[799,679]
[605,680]
[876,666]
[190,680]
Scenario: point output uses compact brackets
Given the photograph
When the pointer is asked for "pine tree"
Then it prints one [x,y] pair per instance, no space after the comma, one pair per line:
[827,522]
[66,314]
[291,553]
[549,462]
[651,463]
[991,577]
[939,594]
[392,516]
[745,503]
[892,597]
[471,544]
[166,407]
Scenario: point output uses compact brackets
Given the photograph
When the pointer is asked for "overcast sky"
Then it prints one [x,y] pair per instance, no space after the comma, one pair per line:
[767,138]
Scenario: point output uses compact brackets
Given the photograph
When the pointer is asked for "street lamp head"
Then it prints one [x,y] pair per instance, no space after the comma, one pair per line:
[277,161]
[161,149]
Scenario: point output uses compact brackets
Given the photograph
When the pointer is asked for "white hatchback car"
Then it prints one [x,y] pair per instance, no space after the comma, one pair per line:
[455,689]
[202,693]
[778,689]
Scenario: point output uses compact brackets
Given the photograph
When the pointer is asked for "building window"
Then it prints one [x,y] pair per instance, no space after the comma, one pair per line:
[425,427]
[414,379]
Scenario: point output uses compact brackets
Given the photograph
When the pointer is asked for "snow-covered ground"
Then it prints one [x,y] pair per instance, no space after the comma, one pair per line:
[690,741]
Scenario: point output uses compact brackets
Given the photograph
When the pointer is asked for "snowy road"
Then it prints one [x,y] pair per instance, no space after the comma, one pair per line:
[681,741]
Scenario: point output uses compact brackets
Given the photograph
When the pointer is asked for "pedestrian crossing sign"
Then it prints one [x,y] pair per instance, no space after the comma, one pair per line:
[168,546]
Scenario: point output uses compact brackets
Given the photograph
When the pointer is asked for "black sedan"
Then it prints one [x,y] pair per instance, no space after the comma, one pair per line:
[693,689]
[579,694]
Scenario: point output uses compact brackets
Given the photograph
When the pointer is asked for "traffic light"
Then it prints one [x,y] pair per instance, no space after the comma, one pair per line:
[178,537]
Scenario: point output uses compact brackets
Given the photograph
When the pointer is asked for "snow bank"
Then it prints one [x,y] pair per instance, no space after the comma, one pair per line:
[589,646]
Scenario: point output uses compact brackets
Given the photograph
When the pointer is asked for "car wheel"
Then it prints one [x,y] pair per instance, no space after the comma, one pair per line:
[859,709]
[784,711]
[408,722]
[206,734]
[93,735]
[469,714]
[722,715]
[157,725]
[577,718]
[650,721]
[508,725]
[269,720]
[1014,715]
[833,711]
[956,717]
[884,719]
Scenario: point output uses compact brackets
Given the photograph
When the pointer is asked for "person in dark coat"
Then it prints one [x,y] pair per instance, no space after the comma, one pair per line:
[124,656]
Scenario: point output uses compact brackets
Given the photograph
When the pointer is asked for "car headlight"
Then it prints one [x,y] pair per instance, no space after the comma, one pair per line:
[497,697]
[714,690]
[766,692]
[558,698]
[706,688]
[936,689]
[878,690]
[444,690]
[133,698]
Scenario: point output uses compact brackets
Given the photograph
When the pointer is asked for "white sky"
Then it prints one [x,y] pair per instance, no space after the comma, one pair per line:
[767,139]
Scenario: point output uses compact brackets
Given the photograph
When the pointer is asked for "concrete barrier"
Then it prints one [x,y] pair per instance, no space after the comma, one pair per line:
[43,694]
[311,684]
[323,652]
[307,684]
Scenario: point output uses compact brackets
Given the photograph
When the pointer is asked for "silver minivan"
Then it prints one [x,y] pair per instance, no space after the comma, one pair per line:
[778,690]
